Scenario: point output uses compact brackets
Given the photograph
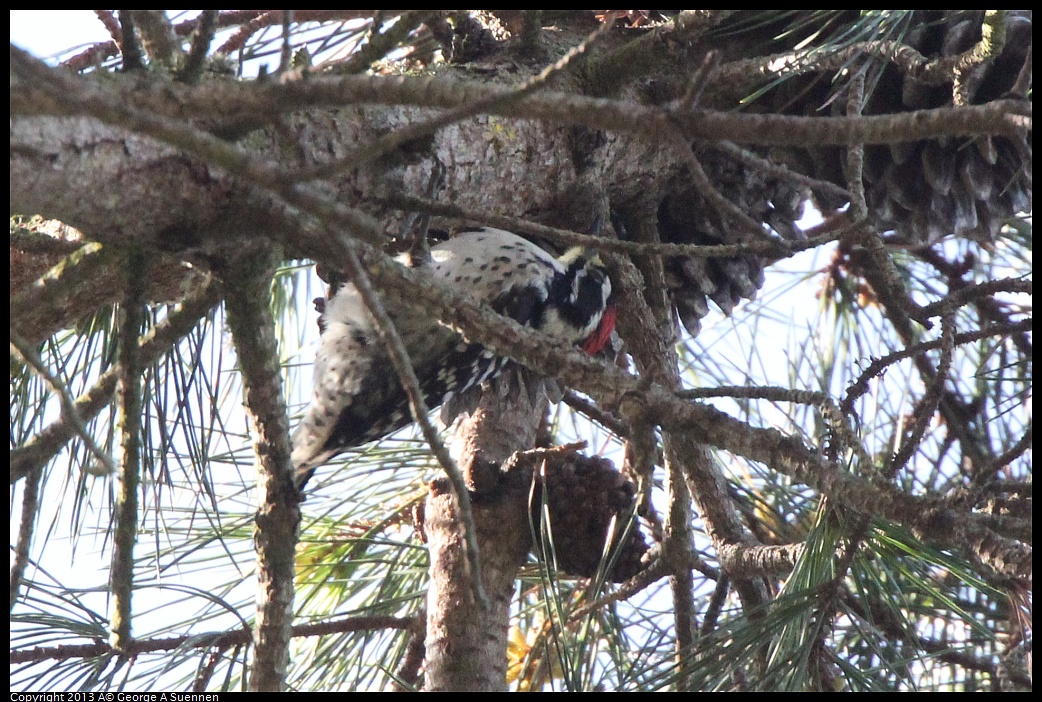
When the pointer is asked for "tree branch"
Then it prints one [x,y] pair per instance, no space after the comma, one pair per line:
[230,101]
[246,283]
[129,397]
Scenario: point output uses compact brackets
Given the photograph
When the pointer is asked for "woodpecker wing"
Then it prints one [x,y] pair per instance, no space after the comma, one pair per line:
[358,396]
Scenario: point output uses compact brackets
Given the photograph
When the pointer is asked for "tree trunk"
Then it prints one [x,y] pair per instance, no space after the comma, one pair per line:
[466,643]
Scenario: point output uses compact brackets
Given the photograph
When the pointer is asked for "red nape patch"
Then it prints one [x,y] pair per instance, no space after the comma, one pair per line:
[596,341]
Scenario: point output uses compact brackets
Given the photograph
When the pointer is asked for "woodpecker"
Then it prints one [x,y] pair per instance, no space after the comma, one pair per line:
[358,397]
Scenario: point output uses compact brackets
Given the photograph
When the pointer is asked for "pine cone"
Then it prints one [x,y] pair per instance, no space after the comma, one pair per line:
[583,495]
[926,190]
[688,219]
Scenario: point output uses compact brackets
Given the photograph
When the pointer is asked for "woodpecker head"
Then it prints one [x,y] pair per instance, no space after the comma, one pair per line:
[579,306]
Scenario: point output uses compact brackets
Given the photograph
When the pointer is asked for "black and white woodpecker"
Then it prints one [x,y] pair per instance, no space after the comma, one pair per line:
[358,397]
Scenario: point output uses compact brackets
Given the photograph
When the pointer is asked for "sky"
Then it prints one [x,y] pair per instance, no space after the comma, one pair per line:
[44,33]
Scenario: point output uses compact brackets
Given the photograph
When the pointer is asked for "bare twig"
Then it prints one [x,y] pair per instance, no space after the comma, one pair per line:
[70,414]
[638,583]
[286,52]
[776,169]
[986,473]
[770,247]
[854,166]
[1022,85]
[860,386]
[597,414]
[108,19]
[926,408]
[750,228]
[239,637]
[382,40]
[715,606]
[972,293]
[252,21]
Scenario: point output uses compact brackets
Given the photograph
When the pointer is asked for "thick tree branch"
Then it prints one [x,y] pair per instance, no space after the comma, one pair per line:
[228,101]
[129,393]
[246,284]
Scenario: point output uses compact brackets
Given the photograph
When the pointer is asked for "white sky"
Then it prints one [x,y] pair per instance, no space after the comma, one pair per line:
[46,32]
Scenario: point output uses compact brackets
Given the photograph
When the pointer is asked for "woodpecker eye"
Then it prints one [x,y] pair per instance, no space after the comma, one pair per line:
[592,293]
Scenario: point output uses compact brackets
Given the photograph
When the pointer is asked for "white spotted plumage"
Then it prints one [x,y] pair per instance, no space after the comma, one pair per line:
[357,396]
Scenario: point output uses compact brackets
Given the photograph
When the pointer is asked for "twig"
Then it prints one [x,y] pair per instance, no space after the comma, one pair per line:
[987,473]
[1022,85]
[45,445]
[837,419]
[926,408]
[698,81]
[972,293]
[238,637]
[715,606]
[286,52]
[860,386]
[853,168]
[750,228]
[776,169]
[71,417]
[26,526]
[638,583]
[108,19]
[642,57]
[381,43]
[252,21]
[564,237]
[195,64]
[597,414]
[886,280]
